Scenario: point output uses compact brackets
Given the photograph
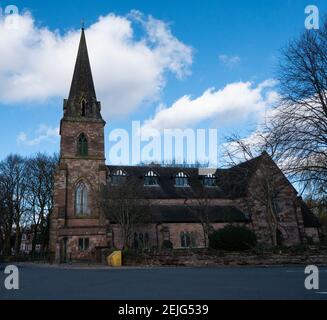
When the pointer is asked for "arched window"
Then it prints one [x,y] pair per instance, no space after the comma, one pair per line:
[136,241]
[188,239]
[118,177]
[83,107]
[151,179]
[83,244]
[181,180]
[166,233]
[279,237]
[82,146]
[185,239]
[210,180]
[81,199]
[146,240]
[141,240]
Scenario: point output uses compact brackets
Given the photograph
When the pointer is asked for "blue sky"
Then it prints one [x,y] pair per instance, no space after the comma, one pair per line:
[220,47]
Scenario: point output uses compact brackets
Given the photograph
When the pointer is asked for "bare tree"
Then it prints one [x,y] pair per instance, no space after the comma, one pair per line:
[20,197]
[125,205]
[295,132]
[13,181]
[200,209]
[3,213]
[262,169]
[299,123]
[40,200]
[26,188]
[268,188]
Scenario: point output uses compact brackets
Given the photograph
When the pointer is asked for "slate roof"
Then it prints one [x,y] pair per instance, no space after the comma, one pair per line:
[166,176]
[171,214]
[231,183]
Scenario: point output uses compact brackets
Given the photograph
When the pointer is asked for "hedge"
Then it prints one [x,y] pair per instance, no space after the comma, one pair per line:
[232,238]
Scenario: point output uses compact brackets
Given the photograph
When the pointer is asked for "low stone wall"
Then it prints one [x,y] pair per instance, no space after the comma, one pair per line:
[230,259]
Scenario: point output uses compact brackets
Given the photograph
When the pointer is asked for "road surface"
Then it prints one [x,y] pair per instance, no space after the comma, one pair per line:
[53,282]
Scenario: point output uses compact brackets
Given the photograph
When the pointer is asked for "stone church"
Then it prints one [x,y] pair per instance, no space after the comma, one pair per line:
[78,229]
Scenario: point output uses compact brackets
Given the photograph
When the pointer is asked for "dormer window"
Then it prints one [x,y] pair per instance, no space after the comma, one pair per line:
[181,179]
[83,107]
[151,179]
[210,180]
[118,177]
[82,145]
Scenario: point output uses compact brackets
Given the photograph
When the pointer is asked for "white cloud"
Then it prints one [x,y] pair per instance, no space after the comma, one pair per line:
[235,102]
[229,61]
[43,134]
[37,64]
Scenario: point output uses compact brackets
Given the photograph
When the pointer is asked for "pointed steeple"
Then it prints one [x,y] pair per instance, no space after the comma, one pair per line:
[82,101]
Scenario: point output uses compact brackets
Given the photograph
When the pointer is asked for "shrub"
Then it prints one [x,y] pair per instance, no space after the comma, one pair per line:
[298,249]
[128,253]
[167,245]
[233,238]
[310,241]
[261,249]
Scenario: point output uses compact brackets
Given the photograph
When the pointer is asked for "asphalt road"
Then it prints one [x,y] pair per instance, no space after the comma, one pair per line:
[42,282]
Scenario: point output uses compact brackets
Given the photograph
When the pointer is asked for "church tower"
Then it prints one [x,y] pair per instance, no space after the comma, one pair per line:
[76,227]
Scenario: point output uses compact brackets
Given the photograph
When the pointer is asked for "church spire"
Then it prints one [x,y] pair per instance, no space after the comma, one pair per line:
[82,101]
[82,80]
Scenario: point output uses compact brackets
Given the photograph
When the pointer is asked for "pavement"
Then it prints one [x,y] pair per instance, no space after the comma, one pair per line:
[71,282]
